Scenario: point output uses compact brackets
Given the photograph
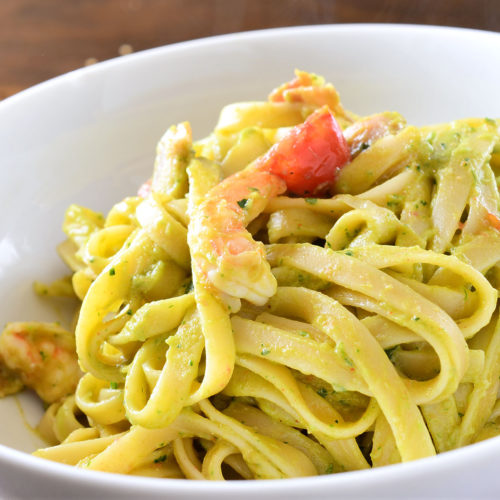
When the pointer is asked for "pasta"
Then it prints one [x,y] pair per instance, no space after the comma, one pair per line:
[303,292]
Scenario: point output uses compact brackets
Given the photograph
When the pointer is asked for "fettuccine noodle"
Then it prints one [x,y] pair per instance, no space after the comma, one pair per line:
[250,316]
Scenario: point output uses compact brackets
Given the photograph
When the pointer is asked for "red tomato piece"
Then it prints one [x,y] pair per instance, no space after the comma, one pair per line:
[310,155]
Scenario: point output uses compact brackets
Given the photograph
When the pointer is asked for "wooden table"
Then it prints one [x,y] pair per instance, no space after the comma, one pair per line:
[40,39]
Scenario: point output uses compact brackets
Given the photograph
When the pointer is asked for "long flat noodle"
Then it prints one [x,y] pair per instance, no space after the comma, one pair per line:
[333,207]
[298,223]
[165,231]
[483,202]
[366,354]
[374,162]
[246,383]
[346,452]
[442,421]
[366,226]
[214,315]
[482,253]
[398,302]
[103,244]
[72,453]
[422,391]
[310,413]
[65,419]
[264,455]
[385,192]
[172,157]
[238,116]
[386,256]
[251,144]
[172,389]
[111,289]
[264,424]
[212,463]
[80,223]
[161,464]
[299,327]
[384,449]
[484,394]
[289,460]
[454,185]
[261,464]
[295,351]
[416,209]
[281,378]
[100,402]
[188,462]
[451,300]
[117,457]
[388,333]
[154,318]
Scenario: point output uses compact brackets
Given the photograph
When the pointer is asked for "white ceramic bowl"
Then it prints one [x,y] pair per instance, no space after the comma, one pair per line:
[89,137]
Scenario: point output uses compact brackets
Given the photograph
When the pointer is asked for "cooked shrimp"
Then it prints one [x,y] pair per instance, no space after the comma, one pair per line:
[43,356]
[305,163]
[311,90]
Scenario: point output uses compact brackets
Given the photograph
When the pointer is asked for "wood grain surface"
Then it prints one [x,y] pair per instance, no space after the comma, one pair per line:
[40,39]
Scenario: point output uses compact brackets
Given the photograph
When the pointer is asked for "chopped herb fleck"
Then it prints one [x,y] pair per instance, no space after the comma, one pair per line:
[390,352]
[416,318]
[242,203]
[190,362]
[364,146]
[322,392]
[311,201]
[129,312]
[160,459]
[113,385]
[112,271]
[188,287]
[303,333]
[329,469]
[348,252]
[254,189]
[44,356]
[265,351]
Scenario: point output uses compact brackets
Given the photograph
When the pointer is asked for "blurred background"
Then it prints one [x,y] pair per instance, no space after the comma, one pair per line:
[40,39]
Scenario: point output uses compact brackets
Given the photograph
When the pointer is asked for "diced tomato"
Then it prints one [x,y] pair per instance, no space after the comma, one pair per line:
[310,155]
[493,220]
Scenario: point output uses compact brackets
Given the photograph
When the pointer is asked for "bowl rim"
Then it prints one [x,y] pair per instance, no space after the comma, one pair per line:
[488,449]
[438,464]
[108,64]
